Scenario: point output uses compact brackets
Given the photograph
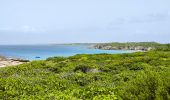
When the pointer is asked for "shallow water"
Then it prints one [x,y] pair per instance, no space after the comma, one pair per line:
[41,52]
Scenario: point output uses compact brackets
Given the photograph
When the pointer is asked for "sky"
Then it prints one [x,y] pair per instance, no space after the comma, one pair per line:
[81,21]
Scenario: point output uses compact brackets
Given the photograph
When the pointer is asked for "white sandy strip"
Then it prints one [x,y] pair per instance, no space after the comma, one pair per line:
[9,63]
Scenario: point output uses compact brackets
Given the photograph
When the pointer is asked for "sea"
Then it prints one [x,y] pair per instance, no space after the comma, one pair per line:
[42,52]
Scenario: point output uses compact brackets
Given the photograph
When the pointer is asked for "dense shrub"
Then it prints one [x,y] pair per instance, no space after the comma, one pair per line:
[140,75]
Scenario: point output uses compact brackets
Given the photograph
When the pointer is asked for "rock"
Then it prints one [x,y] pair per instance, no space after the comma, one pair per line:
[107,47]
[19,60]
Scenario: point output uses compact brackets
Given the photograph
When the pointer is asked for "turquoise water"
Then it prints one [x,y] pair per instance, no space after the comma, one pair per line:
[41,52]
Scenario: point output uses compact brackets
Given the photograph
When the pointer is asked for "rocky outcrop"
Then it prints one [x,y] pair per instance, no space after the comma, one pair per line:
[17,59]
[107,47]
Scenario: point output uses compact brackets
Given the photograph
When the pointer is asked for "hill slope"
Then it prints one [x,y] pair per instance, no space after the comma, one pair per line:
[141,75]
[143,46]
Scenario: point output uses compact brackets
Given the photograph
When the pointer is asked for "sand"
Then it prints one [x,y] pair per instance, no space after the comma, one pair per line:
[6,63]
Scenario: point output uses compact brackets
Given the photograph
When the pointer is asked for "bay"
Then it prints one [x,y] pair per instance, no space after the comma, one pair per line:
[42,52]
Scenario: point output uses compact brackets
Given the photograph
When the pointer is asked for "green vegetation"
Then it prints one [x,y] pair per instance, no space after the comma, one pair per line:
[140,75]
[145,46]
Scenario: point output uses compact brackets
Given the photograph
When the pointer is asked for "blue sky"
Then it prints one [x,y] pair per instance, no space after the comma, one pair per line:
[68,21]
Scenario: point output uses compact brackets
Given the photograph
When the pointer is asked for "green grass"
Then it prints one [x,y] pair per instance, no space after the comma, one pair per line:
[141,75]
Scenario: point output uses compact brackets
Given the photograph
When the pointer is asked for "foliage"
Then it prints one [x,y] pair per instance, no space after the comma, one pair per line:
[139,75]
[142,45]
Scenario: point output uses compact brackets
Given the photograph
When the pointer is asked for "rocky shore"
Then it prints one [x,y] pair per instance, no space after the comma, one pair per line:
[11,61]
[138,48]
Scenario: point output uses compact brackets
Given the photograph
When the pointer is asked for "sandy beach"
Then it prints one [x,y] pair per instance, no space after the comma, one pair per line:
[4,62]
[9,63]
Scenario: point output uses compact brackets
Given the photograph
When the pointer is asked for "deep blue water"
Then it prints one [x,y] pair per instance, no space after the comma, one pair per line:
[37,52]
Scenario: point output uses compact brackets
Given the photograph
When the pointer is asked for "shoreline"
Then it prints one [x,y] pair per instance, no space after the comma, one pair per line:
[125,46]
[7,62]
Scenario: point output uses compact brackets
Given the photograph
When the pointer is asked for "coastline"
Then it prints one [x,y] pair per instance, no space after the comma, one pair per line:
[5,62]
[137,46]
[134,47]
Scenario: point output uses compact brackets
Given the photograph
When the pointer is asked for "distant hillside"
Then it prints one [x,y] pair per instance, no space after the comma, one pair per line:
[144,46]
